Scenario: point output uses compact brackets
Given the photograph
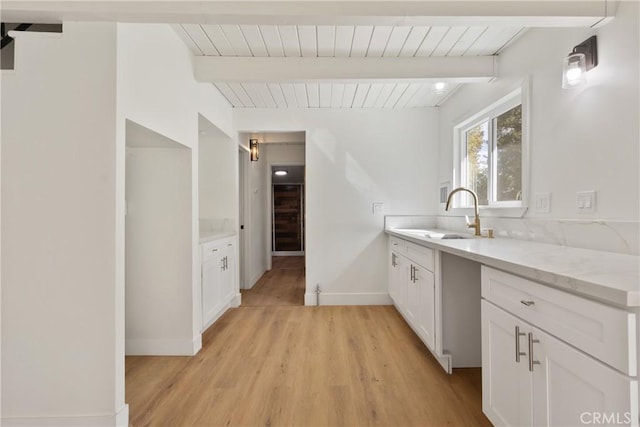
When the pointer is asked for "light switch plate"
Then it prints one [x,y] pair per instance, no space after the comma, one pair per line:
[586,201]
[542,202]
[377,208]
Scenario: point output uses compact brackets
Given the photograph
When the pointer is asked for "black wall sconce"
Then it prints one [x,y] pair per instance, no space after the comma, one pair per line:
[582,58]
[253,149]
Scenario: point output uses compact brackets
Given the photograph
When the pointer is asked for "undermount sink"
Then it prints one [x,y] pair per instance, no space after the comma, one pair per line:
[435,234]
[446,236]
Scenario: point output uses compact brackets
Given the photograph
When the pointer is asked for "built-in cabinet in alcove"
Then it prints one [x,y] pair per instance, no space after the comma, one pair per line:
[218,213]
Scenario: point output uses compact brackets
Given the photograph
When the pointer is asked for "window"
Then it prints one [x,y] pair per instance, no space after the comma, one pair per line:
[491,160]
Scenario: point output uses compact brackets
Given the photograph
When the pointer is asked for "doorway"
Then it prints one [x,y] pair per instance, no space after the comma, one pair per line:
[287,211]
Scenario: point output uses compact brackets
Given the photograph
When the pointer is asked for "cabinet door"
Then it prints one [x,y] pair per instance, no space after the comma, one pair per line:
[211,280]
[402,282]
[426,305]
[571,388]
[394,277]
[229,275]
[506,382]
[413,297]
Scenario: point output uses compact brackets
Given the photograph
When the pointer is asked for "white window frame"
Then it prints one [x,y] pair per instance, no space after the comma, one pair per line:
[515,208]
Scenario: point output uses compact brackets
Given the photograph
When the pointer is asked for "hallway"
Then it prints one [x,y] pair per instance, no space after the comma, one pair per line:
[284,284]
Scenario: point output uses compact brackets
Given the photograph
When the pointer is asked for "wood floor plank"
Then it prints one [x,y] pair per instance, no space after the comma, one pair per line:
[283,285]
[304,366]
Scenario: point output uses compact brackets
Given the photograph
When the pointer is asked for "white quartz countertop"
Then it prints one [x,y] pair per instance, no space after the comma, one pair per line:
[606,276]
[215,235]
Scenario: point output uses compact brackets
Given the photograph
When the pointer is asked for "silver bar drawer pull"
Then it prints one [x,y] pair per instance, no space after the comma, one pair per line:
[527,303]
[518,352]
[531,361]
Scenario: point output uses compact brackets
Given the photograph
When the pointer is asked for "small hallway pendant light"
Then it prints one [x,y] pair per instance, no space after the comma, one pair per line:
[582,58]
[253,147]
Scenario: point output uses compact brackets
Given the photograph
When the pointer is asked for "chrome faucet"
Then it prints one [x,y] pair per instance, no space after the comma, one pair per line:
[476,223]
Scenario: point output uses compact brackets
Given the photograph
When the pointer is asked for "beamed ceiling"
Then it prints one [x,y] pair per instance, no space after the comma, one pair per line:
[322,44]
[340,54]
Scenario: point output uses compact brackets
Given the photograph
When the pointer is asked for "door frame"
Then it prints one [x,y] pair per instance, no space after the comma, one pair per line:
[244,205]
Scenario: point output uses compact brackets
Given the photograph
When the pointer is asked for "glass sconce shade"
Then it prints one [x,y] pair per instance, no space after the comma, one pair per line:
[574,71]
[253,149]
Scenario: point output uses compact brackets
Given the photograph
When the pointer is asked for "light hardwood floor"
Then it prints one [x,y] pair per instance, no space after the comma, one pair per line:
[270,363]
[304,366]
[282,285]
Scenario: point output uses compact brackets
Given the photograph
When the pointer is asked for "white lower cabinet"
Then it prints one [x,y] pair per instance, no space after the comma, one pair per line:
[218,278]
[424,280]
[571,388]
[396,270]
[506,381]
[530,377]
[228,282]
[412,287]
[212,264]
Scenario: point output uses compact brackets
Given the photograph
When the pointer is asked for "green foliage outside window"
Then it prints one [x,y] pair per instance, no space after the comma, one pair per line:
[506,159]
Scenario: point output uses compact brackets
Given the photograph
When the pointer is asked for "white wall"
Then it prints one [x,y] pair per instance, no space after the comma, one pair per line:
[156,89]
[580,139]
[282,154]
[218,177]
[354,158]
[63,190]
[158,250]
[61,361]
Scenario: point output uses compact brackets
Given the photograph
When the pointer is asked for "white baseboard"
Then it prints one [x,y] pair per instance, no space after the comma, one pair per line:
[330,298]
[121,419]
[237,300]
[444,360]
[197,344]
[162,347]
[255,279]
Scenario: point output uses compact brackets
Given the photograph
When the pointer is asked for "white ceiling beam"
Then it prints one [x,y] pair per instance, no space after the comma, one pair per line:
[362,69]
[537,13]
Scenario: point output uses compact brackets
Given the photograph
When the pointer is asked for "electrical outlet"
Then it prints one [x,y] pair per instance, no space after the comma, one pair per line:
[586,201]
[543,202]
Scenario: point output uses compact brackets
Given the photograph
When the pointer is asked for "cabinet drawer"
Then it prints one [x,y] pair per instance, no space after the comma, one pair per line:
[420,255]
[604,332]
[397,245]
[215,247]
[210,249]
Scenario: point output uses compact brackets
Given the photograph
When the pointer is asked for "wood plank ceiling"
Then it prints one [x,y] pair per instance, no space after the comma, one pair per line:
[341,41]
